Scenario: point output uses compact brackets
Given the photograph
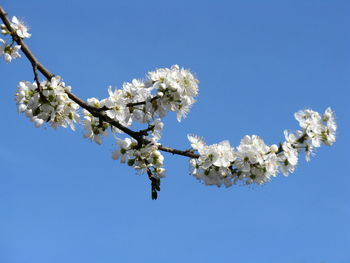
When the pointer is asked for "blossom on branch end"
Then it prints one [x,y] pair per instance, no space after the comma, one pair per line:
[255,162]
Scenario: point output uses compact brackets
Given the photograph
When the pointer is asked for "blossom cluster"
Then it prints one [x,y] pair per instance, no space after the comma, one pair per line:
[141,157]
[166,89]
[94,128]
[49,103]
[176,89]
[11,51]
[318,129]
[169,89]
[255,162]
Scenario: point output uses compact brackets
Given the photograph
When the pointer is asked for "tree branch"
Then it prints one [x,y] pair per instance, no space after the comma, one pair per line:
[37,66]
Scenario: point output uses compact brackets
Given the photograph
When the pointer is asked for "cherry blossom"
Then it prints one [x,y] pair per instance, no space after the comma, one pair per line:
[50,104]
[20,28]
[255,162]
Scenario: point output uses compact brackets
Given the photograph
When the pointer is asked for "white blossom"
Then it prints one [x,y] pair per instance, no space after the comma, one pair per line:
[9,52]
[20,28]
[213,165]
[4,30]
[176,89]
[316,129]
[52,105]
[157,128]
[143,158]
[288,158]
[256,162]
[135,92]
[328,133]
[219,164]
[164,90]
[122,151]
[117,109]
[94,128]
[197,143]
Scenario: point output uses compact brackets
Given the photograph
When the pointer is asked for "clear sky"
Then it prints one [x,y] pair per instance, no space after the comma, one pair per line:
[63,199]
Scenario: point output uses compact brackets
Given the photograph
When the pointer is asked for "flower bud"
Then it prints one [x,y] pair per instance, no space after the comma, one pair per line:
[326,116]
[38,122]
[29,114]
[22,108]
[274,148]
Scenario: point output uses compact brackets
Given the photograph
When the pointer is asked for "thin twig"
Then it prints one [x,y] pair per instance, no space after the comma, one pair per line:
[36,77]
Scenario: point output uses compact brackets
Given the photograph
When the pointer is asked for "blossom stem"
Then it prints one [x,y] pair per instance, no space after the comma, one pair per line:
[141,102]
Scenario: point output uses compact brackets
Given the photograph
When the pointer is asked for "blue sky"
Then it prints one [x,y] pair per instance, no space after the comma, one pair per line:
[63,199]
